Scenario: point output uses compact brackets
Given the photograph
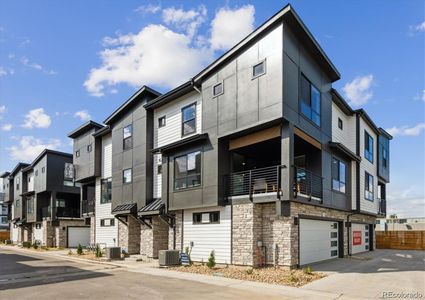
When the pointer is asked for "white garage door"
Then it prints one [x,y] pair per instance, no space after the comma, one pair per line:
[78,235]
[359,238]
[318,240]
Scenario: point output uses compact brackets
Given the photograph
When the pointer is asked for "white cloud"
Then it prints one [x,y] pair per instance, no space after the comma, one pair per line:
[6,127]
[423,95]
[29,147]
[186,20]
[418,28]
[37,118]
[25,42]
[358,91]
[2,109]
[406,130]
[3,71]
[150,8]
[26,62]
[154,56]
[406,203]
[83,115]
[230,26]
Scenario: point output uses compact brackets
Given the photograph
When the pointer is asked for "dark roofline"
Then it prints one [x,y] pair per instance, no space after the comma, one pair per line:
[285,12]
[171,95]
[101,132]
[5,174]
[342,148]
[84,128]
[385,133]
[123,108]
[189,140]
[341,103]
[45,152]
[19,166]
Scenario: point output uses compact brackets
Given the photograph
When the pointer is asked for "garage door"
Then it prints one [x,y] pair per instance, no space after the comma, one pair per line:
[78,235]
[318,240]
[359,238]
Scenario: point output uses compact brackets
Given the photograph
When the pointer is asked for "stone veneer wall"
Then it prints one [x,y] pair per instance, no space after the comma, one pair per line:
[61,232]
[253,223]
[27,233]
[179,228]
[48,234]
[153,239]
[129,235]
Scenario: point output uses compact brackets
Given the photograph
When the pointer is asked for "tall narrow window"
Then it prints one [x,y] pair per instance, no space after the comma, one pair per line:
[338,175]
[187,171]
[368,147]
[77,153]
[18,181]
[128,137]
[127,176]
[189,119]
[340,124]
[30,206]
[89,147]
[310,100]
[368,192]
[106,191]
[161,122]
[384,158]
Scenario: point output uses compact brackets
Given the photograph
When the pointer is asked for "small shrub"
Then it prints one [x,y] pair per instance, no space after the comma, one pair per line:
[36,244]
[70,252]
[249,271]
[308,271]
[79,249]
[293,278]
[188,252]
[211,260]
[98,251]
[26,244]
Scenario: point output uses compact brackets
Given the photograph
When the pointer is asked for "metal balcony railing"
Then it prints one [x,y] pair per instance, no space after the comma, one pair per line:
[251,182]
[60,212]
[307,183]
[87,206]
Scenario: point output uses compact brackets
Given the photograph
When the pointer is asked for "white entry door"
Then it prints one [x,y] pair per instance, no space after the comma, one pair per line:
[318,240]
[78,235]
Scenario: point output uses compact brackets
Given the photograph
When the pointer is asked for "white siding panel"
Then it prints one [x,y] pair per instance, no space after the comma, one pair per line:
[105,236]
[107,156]
[14,234]
[157,178]
[346,136]
[30,186]
[371,168]
[38,233]
[208,237]
[172,131]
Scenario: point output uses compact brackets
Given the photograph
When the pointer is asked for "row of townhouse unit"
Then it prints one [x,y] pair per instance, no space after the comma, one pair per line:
[256,158]
[44,203]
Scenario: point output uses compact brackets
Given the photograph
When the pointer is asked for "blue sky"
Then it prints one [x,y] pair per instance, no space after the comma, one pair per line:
[63,62]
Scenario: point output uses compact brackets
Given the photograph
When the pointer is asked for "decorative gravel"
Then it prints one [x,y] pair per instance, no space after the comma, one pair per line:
[273,275]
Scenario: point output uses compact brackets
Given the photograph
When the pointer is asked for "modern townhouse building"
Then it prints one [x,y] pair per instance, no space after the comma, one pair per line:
[256,158]
[4,207]
[46,202]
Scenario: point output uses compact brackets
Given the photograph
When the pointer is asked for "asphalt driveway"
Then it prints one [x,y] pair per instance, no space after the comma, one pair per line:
[374,274]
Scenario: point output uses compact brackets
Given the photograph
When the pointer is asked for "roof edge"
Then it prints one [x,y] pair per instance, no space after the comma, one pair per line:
[84,128]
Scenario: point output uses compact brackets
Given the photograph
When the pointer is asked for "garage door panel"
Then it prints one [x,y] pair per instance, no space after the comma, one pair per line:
[78,235]
[316,237]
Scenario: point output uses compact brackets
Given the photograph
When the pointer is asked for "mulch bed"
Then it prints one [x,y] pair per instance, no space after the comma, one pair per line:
[273,275]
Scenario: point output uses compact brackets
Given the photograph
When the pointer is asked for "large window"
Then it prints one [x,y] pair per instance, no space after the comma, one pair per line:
[368,186]
[339,173]
[127,137]
[127,176]
[368,147]
[106,191]
[310,100]
[384,158]
[30,206]
[189,119]
[187,171]
[18,181]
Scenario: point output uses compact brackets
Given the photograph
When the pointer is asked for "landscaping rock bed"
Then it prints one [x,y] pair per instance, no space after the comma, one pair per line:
[273,275]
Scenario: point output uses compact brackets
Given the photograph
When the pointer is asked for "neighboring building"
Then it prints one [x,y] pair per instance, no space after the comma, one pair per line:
[400,224]
[46,203]
[257,158]
[4,206]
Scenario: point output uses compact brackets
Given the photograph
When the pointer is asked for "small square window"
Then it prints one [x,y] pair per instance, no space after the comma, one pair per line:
[334,235]
[340,124]
[161,122]
[159,169]
[197,218]
[218,89]
[334,253]
[43,169]
[77,153]
[127,176]
[215,217]
[37,226]
[259,69]
[334,225]
[89,148]
[334,243]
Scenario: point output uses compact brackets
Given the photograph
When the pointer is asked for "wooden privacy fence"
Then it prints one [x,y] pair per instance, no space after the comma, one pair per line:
[4,235]
[403,240]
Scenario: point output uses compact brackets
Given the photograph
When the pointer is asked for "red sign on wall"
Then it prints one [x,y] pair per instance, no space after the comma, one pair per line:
[357,238]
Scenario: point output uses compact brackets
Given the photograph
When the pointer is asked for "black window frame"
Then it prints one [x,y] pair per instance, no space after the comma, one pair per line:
[197,217]
[340,124]
[159,169]
[162,121]
[89,148]
[309,104]
[183,122]
[221,84]
[337,177]
[367,191]
[263,63]
[368,141]
[108,189]
[131,176]
[127,142]
[187,176]
[111,222]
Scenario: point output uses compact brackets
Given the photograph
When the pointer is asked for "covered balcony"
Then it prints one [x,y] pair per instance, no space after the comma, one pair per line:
[88,201]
